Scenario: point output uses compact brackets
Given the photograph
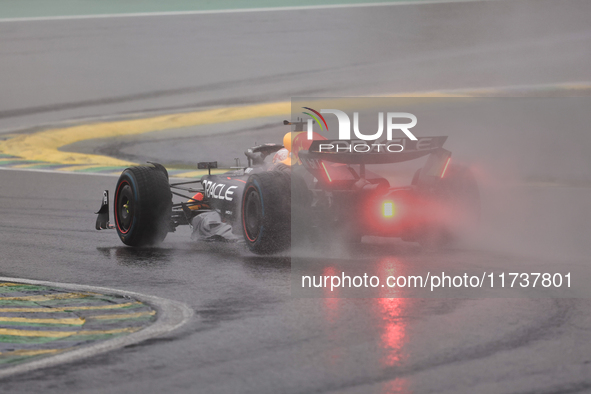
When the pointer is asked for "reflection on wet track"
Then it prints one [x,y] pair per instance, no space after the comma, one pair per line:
[251,325]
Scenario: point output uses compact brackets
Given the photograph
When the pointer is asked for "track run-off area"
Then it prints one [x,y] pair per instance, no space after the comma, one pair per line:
[41,149]
[31,10]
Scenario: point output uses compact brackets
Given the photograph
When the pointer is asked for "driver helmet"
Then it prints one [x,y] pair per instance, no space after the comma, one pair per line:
[281,155]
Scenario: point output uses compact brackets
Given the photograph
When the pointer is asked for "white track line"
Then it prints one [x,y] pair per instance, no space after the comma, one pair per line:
[56,171]
[170,316]
[235,11]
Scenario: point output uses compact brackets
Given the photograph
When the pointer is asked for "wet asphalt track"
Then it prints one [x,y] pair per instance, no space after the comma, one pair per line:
[252,336]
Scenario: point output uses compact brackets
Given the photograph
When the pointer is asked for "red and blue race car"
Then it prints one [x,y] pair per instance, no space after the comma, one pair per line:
[300,191]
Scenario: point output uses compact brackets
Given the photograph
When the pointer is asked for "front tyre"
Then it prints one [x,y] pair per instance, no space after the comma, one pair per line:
[266,212]
[142,206]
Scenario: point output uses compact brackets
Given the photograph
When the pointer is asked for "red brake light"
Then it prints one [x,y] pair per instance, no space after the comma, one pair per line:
[388,209]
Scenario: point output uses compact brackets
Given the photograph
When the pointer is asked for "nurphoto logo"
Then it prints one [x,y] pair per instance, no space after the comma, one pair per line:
[345,124]
[346,144]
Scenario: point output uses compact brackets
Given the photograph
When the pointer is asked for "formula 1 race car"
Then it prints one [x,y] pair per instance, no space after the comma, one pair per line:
[320,188]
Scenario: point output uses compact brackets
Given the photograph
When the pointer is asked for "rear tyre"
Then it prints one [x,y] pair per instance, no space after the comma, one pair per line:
[266,212]
[142,206]
[456,211]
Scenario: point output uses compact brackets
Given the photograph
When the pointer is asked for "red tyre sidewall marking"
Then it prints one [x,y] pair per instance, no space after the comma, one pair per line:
[117,208]
[244,212]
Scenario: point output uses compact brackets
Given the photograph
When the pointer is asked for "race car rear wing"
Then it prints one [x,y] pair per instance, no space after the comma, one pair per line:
[321,151]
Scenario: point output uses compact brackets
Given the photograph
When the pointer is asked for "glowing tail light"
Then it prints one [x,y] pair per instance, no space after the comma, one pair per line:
[388,209]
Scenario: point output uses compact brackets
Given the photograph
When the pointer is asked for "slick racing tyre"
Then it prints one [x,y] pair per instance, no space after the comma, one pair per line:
[456,211]
[266,212]
[142,206]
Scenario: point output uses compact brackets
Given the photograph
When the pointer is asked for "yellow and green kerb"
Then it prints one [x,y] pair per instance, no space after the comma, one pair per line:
[40,321]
